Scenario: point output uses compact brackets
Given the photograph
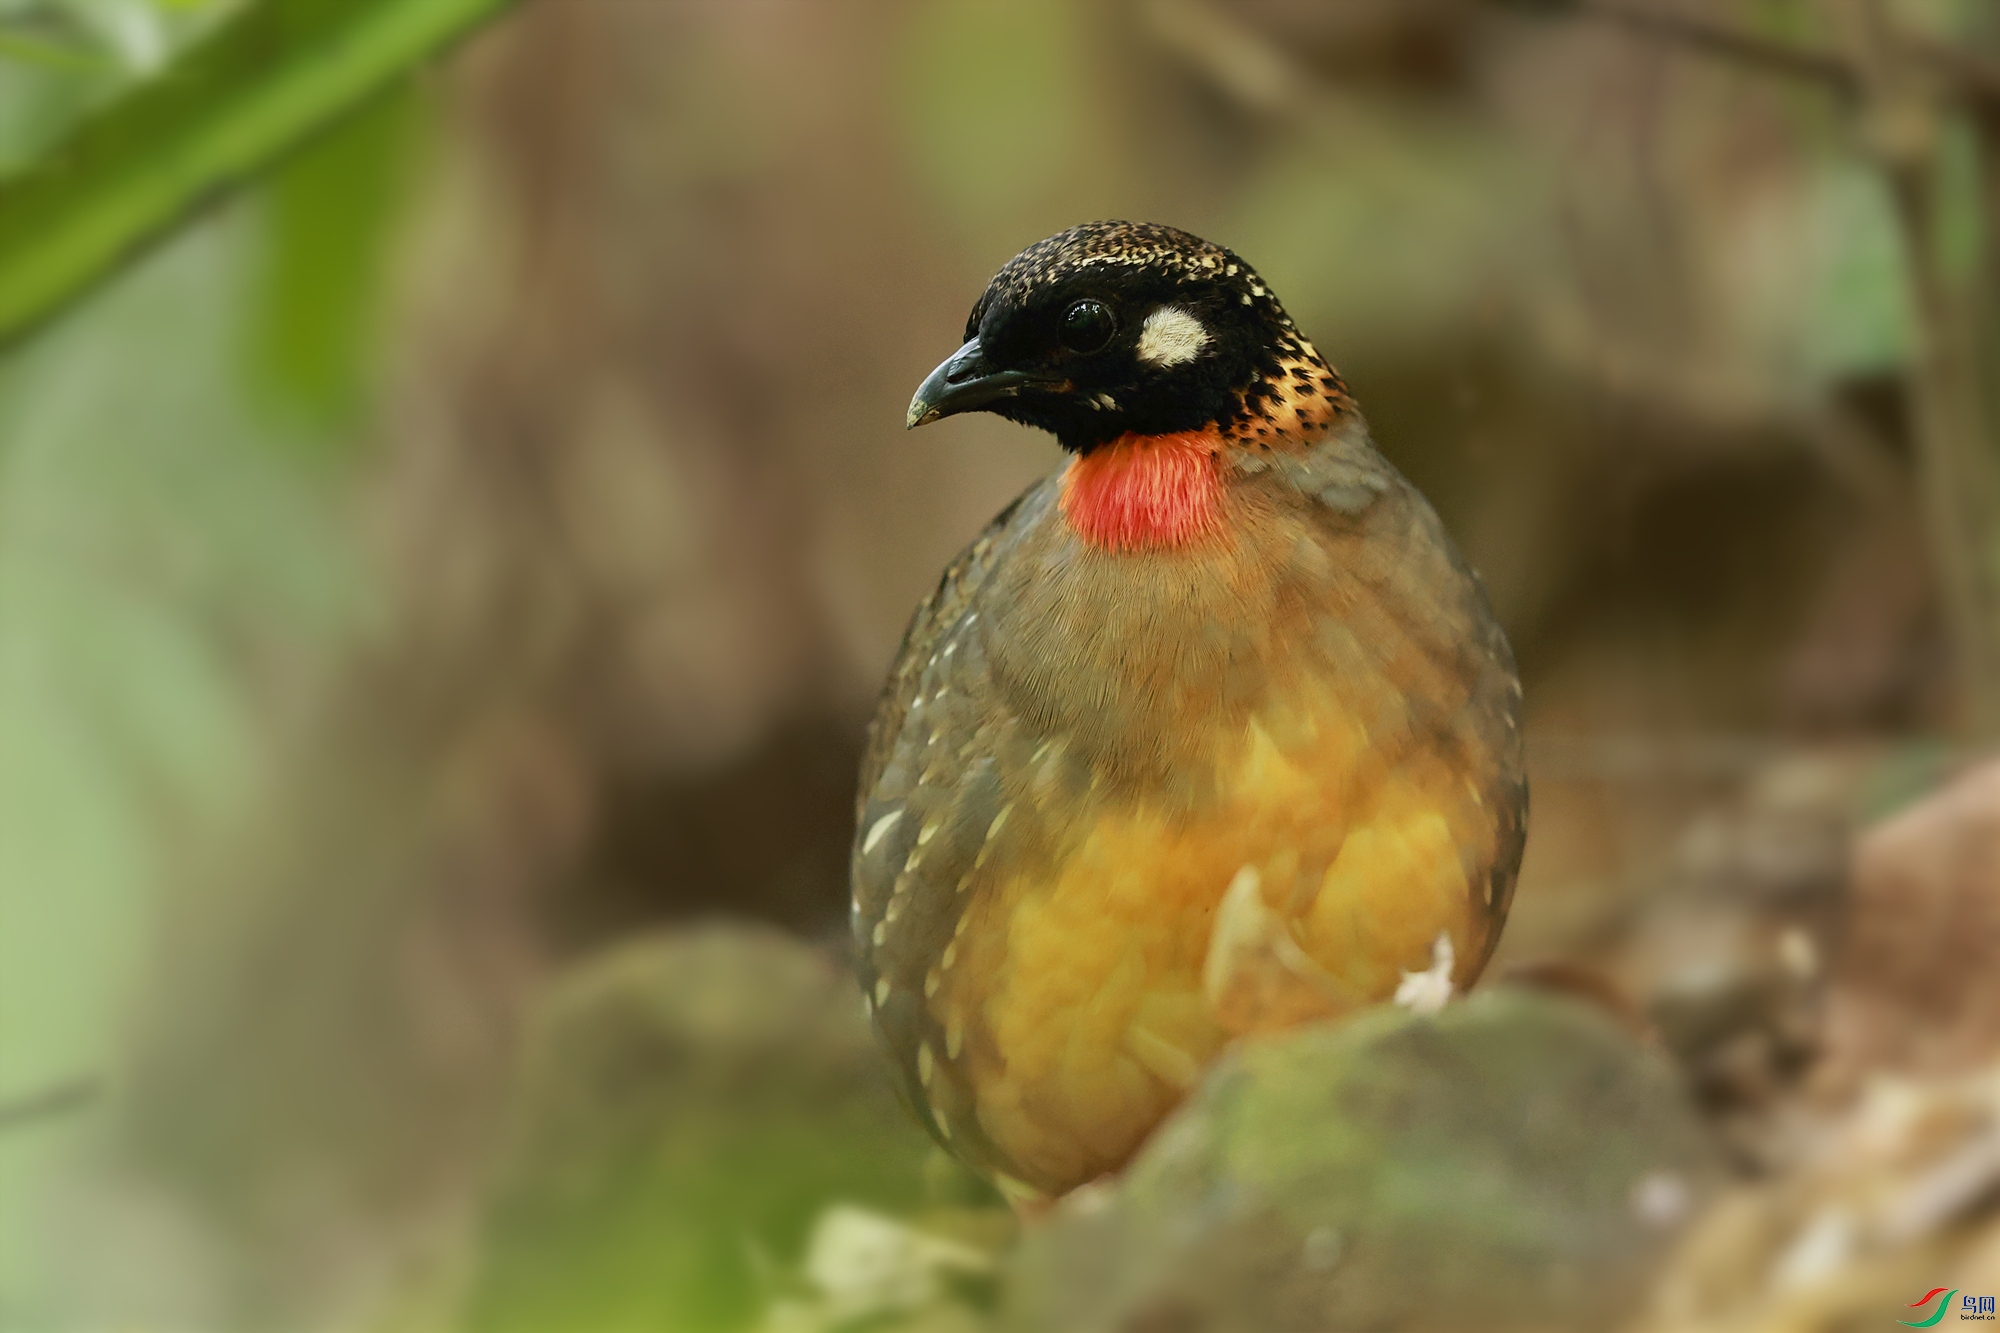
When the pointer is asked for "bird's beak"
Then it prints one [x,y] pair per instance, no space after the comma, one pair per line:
[965,382]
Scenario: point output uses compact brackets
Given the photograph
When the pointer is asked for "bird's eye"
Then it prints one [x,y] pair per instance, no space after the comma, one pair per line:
[1087,326]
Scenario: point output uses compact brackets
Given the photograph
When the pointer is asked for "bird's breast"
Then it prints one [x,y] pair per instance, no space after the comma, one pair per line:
[1100,740]
[1149,662]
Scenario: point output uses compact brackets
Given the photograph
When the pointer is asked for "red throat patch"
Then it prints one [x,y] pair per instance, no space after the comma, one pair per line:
[1145,492]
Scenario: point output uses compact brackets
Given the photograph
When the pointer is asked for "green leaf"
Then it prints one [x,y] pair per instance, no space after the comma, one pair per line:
[263,82]
[331,213]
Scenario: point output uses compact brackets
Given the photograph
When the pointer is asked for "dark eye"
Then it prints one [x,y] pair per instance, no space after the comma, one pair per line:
[1087,326]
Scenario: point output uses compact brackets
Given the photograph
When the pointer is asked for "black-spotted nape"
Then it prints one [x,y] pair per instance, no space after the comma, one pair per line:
[1114,329]
[1296,395]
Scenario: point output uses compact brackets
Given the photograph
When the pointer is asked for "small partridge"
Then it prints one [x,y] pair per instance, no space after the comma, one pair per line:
[1211,732]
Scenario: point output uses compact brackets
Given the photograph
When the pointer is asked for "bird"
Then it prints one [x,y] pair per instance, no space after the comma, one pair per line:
[1210,733]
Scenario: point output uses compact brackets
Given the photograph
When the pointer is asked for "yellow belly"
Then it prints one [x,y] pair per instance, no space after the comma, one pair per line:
[1086,985]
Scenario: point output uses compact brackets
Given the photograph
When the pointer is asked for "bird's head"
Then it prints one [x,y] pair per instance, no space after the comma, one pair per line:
[1121,329]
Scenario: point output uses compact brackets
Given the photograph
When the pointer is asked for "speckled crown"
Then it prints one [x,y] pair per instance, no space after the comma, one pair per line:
[1166,251]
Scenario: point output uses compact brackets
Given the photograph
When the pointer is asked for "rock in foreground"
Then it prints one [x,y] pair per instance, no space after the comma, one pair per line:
[1514,1162]
[692,1108]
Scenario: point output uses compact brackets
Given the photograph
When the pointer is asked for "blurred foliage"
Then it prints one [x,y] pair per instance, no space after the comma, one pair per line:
[61,59]
[273,74]
[995,100]
[142,576]
[1460,193]
[152,583]
[1857,307]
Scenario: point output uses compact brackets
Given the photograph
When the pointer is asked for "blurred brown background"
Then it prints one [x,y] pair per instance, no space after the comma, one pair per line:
[483,540]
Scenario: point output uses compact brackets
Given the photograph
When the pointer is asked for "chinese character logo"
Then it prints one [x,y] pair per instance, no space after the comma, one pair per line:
[1974,1307]
[1926,1299]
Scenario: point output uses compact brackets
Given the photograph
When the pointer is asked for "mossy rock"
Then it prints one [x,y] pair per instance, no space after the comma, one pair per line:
[1516,1161]
[689,1105]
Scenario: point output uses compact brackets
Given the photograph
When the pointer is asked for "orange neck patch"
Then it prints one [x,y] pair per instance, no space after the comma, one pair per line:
[1145,492]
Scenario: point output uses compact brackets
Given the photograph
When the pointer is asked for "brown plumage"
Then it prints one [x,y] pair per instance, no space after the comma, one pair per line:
[1226,644]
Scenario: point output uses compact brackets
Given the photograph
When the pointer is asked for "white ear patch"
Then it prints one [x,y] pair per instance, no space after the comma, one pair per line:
[1171,336]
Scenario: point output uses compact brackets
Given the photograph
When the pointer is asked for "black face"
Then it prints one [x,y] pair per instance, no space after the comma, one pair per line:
[1113,328]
